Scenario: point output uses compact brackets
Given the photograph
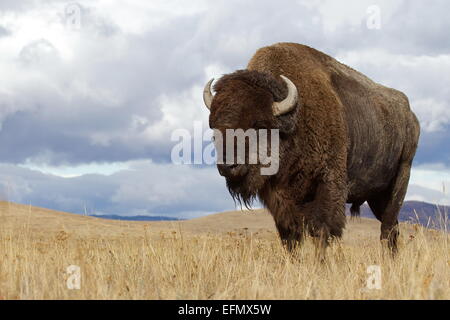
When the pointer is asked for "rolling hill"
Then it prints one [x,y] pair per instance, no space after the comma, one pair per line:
[42,222]
[230,255]
[426,214]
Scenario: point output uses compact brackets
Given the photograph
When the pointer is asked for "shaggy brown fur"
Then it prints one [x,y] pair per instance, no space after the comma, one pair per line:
[348,140]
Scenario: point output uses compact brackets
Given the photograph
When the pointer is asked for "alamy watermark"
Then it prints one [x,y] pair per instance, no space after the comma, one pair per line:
[72,14]
[374,280]
[373,21]
[229,146]
[73,281]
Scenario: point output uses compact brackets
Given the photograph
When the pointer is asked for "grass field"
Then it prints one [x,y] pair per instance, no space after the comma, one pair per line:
[232,255]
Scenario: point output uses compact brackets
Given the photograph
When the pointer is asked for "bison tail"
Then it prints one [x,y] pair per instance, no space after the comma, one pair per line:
[355,210]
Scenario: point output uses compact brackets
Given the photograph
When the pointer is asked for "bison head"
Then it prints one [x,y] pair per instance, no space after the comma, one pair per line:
[249,101]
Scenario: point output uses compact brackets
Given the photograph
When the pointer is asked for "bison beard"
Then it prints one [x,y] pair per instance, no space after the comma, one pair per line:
[343,138]
[241,194]
[244,190]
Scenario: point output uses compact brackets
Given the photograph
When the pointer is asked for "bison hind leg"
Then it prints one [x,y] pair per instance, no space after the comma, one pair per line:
[386,206]
[355,209]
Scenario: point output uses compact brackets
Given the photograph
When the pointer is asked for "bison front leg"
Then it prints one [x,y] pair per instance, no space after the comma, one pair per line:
[325,216]
[290,232]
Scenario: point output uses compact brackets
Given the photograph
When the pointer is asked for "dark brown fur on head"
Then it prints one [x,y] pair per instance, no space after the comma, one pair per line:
[244,100]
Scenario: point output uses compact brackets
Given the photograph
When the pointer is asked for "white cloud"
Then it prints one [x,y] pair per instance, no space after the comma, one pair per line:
[138,17]
[78,171]
[430,183]
[351,13]
[432,177]
[419,193]
[144,188]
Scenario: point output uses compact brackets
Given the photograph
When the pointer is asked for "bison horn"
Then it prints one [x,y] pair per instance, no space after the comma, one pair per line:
[207,94]
[288,104]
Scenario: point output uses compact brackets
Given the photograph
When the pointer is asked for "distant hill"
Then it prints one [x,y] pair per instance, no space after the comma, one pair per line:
[426,214]
[135,218]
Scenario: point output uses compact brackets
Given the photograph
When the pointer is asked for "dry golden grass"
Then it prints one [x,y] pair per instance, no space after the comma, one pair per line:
[225,256]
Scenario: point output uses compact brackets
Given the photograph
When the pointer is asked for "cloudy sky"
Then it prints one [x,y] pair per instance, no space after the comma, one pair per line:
[91,91]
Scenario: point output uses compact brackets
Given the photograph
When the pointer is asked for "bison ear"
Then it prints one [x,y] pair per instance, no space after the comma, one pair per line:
[287,125]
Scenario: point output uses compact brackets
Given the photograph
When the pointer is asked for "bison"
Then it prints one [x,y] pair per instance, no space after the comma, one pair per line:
[343,139]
